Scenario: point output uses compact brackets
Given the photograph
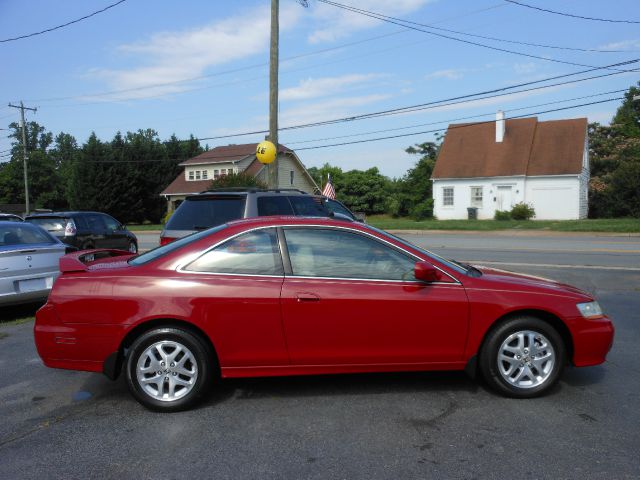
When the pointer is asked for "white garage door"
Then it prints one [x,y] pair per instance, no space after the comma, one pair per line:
[554,203]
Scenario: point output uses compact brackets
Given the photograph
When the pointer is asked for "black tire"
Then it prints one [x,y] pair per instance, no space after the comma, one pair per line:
[538,375]
[133,247]
[159,342]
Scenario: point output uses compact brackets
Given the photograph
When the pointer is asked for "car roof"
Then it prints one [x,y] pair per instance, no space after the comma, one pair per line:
[251,191]
[62,214]
[279,220]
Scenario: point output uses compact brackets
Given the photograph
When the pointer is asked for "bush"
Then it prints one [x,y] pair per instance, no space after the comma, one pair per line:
[237,180]
[502,215]
[423,210]
[522,211]
[166,218]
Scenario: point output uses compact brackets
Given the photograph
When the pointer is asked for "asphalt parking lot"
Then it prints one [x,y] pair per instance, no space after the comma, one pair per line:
[63,424]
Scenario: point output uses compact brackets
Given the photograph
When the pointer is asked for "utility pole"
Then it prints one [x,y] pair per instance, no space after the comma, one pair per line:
[272,168]
[24,151]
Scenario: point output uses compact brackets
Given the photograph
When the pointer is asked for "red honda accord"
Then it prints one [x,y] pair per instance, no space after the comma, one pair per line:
[297,296]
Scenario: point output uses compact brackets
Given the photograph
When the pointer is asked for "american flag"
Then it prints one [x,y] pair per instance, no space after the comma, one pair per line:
[329,191]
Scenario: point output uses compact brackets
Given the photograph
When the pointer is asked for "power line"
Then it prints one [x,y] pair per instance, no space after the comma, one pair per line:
[249,67]
[63,25]
[454,119]
[564,14]
[388,19]
[457,126]
[439,103]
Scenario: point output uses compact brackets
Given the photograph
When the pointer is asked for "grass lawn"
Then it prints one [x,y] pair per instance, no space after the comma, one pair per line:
[621,225]
[386,222]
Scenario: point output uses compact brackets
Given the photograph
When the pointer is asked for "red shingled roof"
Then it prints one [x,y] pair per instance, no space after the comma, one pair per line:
[228,153]
[529,148]
[181,185]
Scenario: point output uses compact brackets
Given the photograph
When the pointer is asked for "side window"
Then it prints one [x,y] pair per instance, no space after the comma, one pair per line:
[253,253]
[336,207]
[308,206]
[81,223]
[110,222]
[274,206]
[95,223]
[323,252]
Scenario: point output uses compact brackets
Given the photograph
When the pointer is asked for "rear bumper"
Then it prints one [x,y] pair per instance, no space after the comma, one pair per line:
[592,341]
[74,346]
[13,292]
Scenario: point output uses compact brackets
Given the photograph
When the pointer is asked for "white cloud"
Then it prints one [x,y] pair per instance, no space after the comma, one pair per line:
[621,45]
[338,23]
[326,110]
[322,87]
[449,74]
[174,56]
[525,68]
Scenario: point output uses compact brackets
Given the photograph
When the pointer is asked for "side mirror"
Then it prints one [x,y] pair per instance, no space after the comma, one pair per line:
[426,272]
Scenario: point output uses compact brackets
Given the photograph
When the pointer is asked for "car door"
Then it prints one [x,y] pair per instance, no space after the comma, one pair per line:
[352,299]
[235,288]
[115,234]
[97,229]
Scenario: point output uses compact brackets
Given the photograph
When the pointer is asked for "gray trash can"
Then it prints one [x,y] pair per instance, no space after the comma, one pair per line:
[472,213]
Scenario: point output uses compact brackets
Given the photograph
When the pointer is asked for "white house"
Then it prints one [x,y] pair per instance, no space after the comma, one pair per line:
[199,171]
[493,166]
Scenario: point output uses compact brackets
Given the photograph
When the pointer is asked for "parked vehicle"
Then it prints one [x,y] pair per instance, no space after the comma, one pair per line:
[215,207]
[337,208]
[86,230]
[10,217]
[300,296]
[28,262]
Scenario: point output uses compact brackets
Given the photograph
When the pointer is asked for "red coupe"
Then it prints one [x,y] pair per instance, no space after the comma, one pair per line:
[298,296]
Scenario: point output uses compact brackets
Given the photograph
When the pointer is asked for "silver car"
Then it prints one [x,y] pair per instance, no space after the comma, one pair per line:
[28,262]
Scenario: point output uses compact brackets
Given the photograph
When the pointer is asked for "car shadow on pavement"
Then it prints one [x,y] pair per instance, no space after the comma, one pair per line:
[12,313]
[582,377]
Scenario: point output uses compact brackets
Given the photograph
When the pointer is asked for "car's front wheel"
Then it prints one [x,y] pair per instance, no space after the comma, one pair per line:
[523,357]
[169,369]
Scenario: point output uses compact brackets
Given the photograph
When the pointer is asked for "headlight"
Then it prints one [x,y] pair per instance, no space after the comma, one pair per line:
[590,309]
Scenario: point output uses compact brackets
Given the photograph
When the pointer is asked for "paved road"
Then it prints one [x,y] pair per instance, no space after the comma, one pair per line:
[515,247]
[61,424]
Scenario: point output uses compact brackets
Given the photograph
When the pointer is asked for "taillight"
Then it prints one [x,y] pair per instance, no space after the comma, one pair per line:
[70,229]
[165,240]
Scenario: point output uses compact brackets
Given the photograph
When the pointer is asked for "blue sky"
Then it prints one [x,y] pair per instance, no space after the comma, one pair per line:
[201,67]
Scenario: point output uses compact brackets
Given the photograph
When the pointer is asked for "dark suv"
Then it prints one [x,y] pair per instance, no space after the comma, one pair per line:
[215,207]
[86,230]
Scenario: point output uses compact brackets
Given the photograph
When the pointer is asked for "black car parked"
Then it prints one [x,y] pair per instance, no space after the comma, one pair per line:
[215,207]
[86,230]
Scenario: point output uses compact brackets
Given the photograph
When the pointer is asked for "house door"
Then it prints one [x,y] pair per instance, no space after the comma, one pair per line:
[503,198]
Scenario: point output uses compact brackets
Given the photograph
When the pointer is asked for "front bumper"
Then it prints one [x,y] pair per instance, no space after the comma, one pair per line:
[592,341]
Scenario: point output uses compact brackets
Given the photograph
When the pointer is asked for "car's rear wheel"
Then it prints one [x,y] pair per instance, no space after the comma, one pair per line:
[169,369]
[133,248]
[523,357]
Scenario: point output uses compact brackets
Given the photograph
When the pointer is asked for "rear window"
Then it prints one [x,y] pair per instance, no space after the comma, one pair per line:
[308,206]
[23,234]
[200,213]
[55,225]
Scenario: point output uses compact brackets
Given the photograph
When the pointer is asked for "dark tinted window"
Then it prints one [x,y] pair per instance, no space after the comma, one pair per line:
[274,206]
[337,207]
[197,213]
[317,252]
[110,222]
[95,222]
[55,225]
[308,206]
[23,234]
[81,223]
[252,253]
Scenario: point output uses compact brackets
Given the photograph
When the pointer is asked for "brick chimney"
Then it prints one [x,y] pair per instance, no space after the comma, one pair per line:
[500,126]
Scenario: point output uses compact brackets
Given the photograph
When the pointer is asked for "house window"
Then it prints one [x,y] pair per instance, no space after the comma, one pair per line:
[197,174]
[191,175]
[223,172]
[291,177]
[476,197]
[216,174]
[205,175]
[447,196]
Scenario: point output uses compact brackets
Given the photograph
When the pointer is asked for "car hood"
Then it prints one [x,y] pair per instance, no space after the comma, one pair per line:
[522,281]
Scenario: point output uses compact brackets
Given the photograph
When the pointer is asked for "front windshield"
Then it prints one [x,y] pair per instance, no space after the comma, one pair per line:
[176,244]
[452,265]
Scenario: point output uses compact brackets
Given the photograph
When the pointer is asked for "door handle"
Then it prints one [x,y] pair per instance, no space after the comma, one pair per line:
[307,297]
